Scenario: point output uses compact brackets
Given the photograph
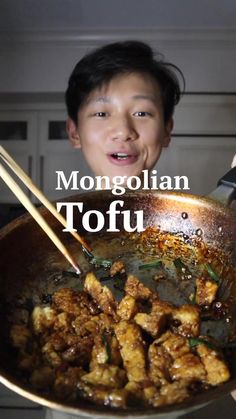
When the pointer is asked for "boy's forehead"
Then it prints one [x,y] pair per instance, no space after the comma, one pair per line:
[138,86]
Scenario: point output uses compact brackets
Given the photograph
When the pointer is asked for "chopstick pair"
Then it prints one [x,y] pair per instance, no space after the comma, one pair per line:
[25,201]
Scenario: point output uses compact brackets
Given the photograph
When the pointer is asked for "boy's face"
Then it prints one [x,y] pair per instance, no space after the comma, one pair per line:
[121,128]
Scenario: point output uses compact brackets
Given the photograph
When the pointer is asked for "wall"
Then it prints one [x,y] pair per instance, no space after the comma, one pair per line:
[41,61]
[204,139]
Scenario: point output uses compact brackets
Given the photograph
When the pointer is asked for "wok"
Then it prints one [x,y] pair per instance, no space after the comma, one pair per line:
[30,269]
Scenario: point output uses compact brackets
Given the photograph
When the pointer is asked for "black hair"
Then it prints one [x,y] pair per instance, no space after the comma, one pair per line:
[103,64]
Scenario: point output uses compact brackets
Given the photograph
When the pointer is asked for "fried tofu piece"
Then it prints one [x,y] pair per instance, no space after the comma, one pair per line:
[150,392]
[104,396]
[73,302]
[141,391]
[57,340]
[135,390]
[171,393]
[159,364]
[168,393]
[132,350]
[175,345]
[43,318]
[114,348]
[101,294]
[189,318]
[100,354]
[79,353]
[117,267]
[52,357]
[20,336]
[66,382]
[162,307]
[127,308]
[105,322]
[63,321]
[152,323]
[216,368]
[67,347]
[136,289]
[155,322]
[188,367]
[206,291]
[106,346]
[86,325]
[42,378]
[60,341]
[27,362]
[105,350]
[110,376]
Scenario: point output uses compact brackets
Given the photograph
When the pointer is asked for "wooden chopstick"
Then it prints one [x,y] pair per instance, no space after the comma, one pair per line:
[23,198]
[38,193]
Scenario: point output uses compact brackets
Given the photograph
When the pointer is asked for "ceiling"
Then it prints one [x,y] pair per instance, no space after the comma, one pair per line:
[22,15]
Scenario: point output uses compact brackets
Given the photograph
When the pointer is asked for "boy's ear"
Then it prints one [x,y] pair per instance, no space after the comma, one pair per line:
[168,129]
[73,134]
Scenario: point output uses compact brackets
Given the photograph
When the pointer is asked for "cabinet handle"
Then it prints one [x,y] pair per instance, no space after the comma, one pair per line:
[30,167]
[41,168]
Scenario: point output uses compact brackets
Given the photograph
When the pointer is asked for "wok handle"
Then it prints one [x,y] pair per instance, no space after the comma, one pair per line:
[226,190]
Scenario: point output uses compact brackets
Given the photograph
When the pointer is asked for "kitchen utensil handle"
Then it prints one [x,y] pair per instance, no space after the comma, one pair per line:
[226,190]
[229,179]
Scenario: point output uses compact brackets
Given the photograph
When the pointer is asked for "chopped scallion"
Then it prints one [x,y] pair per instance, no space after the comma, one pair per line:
[212,273]
[198,341]
[107,346]
[180,265]
[98,262]
[155,264]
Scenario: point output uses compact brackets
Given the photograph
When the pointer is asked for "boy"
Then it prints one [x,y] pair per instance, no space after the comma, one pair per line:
[120,101]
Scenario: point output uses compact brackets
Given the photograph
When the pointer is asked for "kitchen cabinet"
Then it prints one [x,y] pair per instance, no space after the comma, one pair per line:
[37,140]
[204,160]
[203,142]
[56,154]
[17,131]
[33,130]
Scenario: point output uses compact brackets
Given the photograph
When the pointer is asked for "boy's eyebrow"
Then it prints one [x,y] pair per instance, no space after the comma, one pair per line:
[101,99]
[107,99]
[152,98]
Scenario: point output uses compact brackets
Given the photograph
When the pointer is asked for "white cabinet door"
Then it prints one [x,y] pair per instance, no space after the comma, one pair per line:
[57,154]
[204,141]
[18,132]
[204,160]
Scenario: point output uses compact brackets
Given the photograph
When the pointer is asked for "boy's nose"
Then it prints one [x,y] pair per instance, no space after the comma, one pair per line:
[124,131]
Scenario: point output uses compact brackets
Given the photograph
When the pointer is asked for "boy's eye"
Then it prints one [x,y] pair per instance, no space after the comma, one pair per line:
[142,113]
[100,114]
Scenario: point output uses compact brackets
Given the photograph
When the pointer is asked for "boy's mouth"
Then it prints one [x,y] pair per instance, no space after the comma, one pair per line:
[121,158]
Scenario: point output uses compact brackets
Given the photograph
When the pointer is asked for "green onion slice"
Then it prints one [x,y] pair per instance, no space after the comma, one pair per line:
[180,265]
[155,264]
[212,273]
[198,341]
[98,262]
[107,346]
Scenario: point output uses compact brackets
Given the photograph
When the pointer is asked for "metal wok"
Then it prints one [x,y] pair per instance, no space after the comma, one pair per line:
[30,268]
